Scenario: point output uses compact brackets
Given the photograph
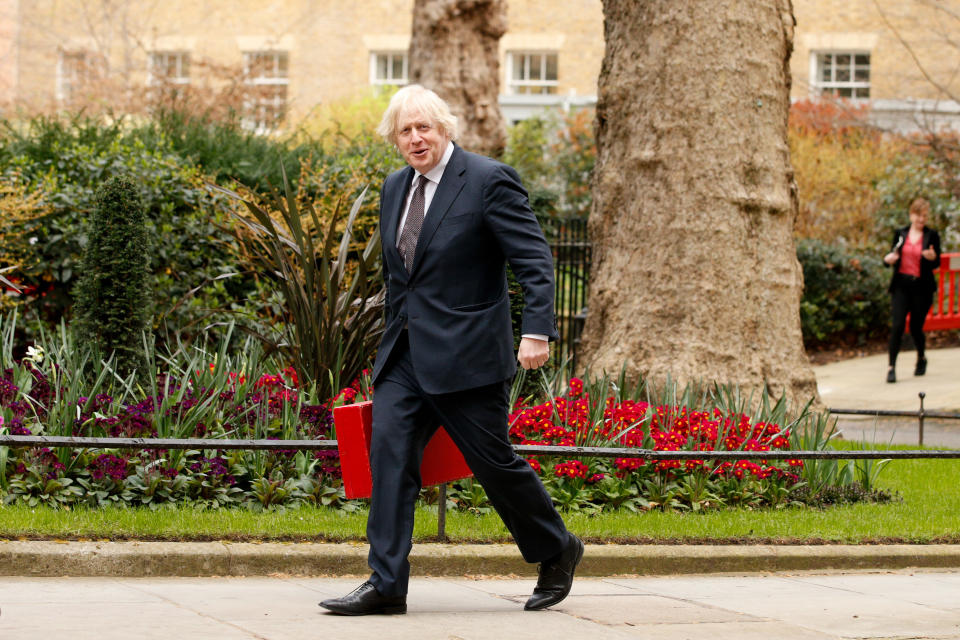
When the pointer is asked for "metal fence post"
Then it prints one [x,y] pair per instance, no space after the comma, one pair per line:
[442,512]
[920,417]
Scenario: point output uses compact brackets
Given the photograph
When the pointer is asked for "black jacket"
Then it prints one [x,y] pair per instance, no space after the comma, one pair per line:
[930,238]
[454,303]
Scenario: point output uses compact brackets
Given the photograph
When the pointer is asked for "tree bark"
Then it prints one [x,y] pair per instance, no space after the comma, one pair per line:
[695,273]
[454,50]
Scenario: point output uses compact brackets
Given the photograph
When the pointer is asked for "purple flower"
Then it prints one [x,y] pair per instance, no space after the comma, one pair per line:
[108,465]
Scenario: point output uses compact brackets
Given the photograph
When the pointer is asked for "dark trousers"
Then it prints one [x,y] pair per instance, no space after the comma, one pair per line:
[404,419]
[908,296]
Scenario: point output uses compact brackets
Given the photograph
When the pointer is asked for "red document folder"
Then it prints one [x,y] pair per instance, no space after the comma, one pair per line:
[442,461]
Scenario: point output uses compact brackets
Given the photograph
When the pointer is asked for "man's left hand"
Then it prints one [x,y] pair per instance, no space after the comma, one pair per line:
[533,353]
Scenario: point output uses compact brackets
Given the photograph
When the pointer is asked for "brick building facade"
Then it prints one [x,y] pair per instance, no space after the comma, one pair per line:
[284,57]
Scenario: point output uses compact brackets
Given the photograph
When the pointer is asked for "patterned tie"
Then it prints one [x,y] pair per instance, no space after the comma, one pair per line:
[411,229]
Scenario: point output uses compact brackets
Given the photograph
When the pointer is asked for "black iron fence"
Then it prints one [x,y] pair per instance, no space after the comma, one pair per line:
[571,259]
[921,415]
[75,442]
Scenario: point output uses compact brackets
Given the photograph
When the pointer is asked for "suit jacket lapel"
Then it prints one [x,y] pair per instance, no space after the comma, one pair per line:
[393,201]
[447,191]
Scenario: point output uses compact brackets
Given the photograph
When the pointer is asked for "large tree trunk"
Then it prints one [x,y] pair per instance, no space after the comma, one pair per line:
[454,51]
[695,271]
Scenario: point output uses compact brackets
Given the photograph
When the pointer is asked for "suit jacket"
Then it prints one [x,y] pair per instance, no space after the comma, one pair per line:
[454,302]
[930,238]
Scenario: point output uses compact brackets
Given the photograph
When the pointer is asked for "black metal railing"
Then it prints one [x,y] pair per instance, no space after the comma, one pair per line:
[526,450]
[921,415]
[571,249]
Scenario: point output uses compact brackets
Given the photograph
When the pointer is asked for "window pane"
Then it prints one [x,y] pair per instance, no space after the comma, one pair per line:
[382,61]
[517,73]
[551,67]
[535,67]
[825,63]
[843,60]
[844,92]
[397,68]
[184,65]
[863,92]
[283,65]
[862,59]
[862,75]
[843,74]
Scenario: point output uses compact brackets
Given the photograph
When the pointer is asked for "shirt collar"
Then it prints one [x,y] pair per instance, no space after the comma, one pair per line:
[436,173]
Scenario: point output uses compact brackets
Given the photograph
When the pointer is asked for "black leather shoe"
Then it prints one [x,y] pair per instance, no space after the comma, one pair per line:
[891,375]
[365,600]
[921,367]
[556,576]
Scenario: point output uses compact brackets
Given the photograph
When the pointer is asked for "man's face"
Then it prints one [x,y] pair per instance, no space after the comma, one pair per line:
[421,141]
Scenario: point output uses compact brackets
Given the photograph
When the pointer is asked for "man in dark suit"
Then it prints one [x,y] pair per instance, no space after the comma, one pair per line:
[449,223]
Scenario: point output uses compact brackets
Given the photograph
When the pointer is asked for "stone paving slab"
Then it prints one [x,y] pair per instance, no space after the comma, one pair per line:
[860,383]
[806,606]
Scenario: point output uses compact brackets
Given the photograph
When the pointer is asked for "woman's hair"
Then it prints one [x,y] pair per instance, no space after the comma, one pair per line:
[416,99]
[918,204]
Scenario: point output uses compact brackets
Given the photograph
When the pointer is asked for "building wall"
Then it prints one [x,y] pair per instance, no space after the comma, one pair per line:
[931,32]
[8,47]
[329,44]
[574,28]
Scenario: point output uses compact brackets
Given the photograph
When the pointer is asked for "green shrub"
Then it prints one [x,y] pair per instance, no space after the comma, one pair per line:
[65,161]
[112,295]
[222,148]
[554,156]
[920,173]
[844,295]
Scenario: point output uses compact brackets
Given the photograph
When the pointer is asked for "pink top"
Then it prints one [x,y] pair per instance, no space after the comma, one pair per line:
[910,256]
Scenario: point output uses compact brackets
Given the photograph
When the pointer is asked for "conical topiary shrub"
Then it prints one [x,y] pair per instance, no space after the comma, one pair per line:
[112,301]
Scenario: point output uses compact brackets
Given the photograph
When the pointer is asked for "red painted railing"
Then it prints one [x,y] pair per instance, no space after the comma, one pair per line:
[945,312]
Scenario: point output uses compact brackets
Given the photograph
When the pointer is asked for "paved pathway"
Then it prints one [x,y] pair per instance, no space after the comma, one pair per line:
[795,607]
[860,383]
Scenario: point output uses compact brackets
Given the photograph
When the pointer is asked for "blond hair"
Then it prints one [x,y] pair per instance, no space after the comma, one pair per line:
[415,99]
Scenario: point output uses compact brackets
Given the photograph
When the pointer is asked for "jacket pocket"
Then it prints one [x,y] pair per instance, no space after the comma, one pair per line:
[480,306]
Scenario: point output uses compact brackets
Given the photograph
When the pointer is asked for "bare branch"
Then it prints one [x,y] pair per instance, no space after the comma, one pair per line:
[938,5]
[906,45]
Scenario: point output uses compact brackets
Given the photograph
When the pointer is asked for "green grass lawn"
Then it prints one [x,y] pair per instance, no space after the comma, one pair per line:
[929,512]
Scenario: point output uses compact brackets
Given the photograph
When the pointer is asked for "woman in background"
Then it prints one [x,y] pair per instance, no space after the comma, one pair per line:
[914,255]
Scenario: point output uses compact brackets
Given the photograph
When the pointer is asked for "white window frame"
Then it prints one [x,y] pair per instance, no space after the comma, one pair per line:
[389,80]
[182,67]
[276,74]
[859,89]
[525,85]
[73,76]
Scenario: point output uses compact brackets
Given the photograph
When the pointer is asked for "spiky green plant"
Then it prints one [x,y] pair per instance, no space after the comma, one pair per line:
[332,294]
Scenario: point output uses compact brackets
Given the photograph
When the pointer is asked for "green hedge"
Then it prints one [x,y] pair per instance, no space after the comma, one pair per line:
[845,294]
[170,159]
[67,163]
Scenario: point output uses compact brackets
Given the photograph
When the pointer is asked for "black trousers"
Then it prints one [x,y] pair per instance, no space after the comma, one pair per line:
[908,296]
[404,419]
